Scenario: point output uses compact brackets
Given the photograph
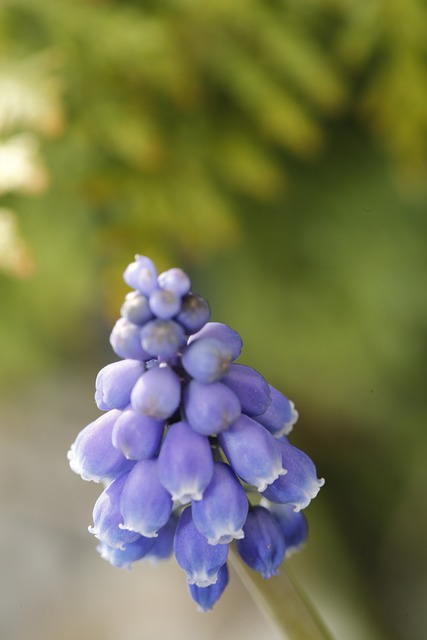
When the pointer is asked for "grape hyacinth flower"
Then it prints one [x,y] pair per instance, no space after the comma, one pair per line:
[192,447]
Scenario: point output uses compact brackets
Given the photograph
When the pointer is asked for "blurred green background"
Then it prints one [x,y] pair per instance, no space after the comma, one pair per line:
[277,151]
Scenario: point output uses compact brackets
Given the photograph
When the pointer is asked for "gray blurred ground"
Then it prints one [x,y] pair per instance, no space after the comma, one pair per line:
[52,582]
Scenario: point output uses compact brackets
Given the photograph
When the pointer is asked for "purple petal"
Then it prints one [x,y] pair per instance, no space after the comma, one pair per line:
[115,382]
[141,275]
[300,484]
[93,455]
[125,339]
[206,597]
[137,436]
[263,547]
[185,463]
[250,387]
[145,504]
[107,517]
[124,558]
[210,408]
[207,359]
[280,416]
[221,332]
[222,511]
[157,393]
[199,559]
[252,452]
[292,523]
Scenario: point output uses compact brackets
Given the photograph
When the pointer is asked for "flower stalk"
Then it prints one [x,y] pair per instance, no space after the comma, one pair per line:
[283,602]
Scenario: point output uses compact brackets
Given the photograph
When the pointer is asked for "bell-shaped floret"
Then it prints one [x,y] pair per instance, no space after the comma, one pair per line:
[222,511]
[222,332]
[165,304]
[194,314]
[93,455]
[125,339]
[280,416]
[141,275]
[137,436]
[136,308]
[185,463]
[300,484]
[115,382]
[175,280]
[263,547]
[107,517]
[292,523]
[250,387]
[200,560]
[124,558]
[163,543]
[162,338]
[207,359]
[157,393]
[210,408]
[206,597]
[145,504]
[252,452]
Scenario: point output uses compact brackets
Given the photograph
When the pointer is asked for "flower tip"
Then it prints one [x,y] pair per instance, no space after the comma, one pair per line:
[289,425]
[77,467]
[227,537]
[186,496]
[263,483]
[147,534]
[270,573]
[202,579]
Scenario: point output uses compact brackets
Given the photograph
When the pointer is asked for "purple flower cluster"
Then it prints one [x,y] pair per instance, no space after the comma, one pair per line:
[192,447]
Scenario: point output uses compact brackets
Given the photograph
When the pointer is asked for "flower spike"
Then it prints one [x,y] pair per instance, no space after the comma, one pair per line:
[189,443]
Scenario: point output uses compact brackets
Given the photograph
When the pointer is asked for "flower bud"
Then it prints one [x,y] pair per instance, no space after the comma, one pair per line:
[141,275]
[145,504]
[93,455]
[136,309]
[292,523]
[206,597]
[107,516]
[300,484]
[222,511]
[250,387]
[115,382]
[199,559]
[157,393]
[280,416]
[175,280]
[252,452]
[124,558]
[137,436]
[165,304]
[222,332]
[125,339]
[207,359]
[185,463]
[162,338]
[263,546]
[194,314]
[163,544]
[210,408]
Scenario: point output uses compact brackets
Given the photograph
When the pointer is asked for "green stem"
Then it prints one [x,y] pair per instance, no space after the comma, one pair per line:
[284,602]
